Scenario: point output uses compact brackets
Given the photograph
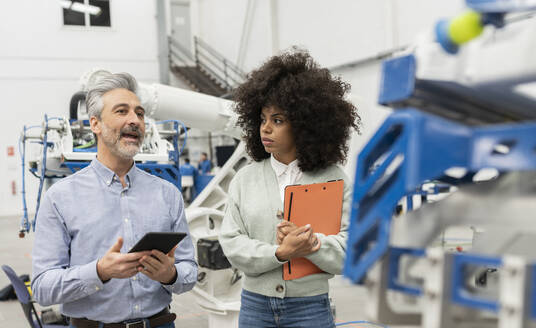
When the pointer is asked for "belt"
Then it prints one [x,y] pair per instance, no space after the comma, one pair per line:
[156,320]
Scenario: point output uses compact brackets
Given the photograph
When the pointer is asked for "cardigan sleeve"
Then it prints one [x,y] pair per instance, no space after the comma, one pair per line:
[251,256]
[330,256]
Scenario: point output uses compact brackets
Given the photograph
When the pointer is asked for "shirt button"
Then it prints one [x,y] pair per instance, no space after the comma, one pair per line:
[279,288]
[126,220]
[137,307]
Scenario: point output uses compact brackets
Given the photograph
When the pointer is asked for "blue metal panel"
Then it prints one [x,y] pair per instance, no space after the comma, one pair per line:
[167,172]
[84,122]
[459,293]
[395,253]
[75,166]
[200,182]
[409,202]
[85,150]
[409,149]
[398,80]
[496,6]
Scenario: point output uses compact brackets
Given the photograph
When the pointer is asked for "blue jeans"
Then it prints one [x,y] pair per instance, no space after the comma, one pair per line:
[259,311]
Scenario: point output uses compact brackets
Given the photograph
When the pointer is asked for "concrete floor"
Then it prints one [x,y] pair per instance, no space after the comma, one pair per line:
[349,300]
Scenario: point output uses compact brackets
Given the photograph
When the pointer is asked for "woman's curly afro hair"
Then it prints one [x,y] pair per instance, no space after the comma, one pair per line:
[312,100]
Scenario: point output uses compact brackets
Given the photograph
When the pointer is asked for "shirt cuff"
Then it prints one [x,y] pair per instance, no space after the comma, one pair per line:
[275,257]
[186,278]
[318,253]
[90,278]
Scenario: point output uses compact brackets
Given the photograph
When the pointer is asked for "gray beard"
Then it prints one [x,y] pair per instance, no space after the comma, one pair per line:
[113,142]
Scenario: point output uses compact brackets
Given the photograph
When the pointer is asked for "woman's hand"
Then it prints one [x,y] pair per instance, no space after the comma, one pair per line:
[283,228]
[299,242]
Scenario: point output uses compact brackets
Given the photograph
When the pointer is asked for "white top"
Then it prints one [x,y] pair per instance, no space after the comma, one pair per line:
[286,174]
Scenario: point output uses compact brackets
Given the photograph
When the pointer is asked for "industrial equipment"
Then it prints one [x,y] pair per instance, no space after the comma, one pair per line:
[465,105]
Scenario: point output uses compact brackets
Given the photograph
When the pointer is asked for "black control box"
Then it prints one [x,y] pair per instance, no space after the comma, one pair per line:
[210,255]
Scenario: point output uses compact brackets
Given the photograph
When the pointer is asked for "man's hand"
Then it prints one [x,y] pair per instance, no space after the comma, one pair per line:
[159,266]
[283,228]
[116,265]
[298,243]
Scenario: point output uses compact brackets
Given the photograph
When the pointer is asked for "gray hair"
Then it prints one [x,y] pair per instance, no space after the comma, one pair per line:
[105,83]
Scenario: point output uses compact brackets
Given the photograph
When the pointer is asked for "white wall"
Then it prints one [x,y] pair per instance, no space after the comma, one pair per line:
[41,62]
[335,32]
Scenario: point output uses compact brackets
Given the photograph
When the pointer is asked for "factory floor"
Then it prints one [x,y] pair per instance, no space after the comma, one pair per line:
[349,300]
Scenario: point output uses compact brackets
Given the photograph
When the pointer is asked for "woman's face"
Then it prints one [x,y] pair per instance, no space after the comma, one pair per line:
[276,135]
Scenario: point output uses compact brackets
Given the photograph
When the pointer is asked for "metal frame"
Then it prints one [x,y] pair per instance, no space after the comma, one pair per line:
[409,149]
[393,282]
[459,294]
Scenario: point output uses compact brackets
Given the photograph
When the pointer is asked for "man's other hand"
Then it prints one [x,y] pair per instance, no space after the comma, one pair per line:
[114,264]
[159,266]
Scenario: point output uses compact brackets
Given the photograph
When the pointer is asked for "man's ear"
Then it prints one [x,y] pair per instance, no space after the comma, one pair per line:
[94,124]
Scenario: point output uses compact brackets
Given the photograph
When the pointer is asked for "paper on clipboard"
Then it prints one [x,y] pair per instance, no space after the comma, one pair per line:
[318,204]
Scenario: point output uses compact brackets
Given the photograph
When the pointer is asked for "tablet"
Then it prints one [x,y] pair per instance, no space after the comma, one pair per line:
[162,241]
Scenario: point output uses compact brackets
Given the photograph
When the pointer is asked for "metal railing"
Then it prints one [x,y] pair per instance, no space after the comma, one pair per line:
[207,59]
[179,55]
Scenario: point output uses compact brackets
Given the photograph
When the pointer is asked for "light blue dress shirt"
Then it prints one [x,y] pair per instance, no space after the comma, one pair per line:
[80,218]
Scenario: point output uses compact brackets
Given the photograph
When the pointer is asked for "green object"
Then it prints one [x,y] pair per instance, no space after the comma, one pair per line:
[465,27]
[87,145]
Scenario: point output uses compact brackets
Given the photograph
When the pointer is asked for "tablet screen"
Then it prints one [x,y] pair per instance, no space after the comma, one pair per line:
[162,241]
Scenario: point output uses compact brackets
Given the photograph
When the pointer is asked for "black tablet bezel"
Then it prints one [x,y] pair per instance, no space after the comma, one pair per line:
[162,241]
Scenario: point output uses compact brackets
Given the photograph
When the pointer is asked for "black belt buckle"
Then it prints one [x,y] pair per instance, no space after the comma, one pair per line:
[131,324]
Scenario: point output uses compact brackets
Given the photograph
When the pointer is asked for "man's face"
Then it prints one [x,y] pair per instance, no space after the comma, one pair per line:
[122,125]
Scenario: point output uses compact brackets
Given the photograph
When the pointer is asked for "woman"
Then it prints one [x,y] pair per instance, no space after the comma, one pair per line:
[296,124]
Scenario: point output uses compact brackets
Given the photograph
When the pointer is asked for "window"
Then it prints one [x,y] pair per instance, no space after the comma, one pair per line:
[75,13]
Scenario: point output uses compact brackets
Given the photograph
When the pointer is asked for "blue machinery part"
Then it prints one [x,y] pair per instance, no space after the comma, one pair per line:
[25,224]
[409,149]
[498,6]
[451,34]
[459,294]
[395,253]
[401,88]
[169,172]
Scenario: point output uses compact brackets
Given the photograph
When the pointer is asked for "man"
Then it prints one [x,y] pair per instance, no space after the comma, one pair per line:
[188,174]
[88,221]
[204,164]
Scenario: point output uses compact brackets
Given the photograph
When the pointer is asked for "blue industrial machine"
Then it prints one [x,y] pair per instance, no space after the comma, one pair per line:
[464,104]
[70,146]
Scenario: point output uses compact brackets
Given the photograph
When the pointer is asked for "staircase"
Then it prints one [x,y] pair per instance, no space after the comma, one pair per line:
[205,71]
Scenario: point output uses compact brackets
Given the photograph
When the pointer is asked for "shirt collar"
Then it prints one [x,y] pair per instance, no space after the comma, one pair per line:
[108,175]
[281,168]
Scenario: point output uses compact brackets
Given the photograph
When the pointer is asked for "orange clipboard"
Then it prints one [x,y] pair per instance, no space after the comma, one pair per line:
[318,204]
